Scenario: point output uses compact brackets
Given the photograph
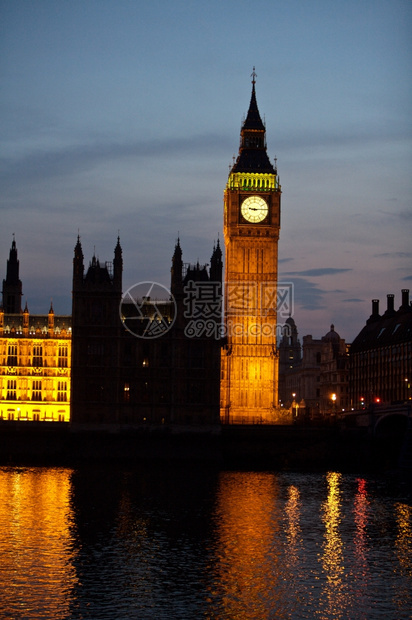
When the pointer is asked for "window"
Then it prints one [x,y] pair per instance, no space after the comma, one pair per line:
[36,390]
[63,356]
[62,392]
[12,389]
[12,355]
[38,355]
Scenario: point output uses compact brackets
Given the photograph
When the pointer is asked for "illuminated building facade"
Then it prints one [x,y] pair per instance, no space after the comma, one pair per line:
[145,361]
[35,357]
[249,388]
[381,356]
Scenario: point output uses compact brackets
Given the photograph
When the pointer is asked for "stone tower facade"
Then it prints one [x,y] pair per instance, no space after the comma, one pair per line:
[249,384]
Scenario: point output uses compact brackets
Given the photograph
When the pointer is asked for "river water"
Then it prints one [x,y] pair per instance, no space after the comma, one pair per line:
[190,542]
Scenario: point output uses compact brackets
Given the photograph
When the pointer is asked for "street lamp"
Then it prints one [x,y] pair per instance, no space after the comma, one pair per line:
[294,405]
[333,402]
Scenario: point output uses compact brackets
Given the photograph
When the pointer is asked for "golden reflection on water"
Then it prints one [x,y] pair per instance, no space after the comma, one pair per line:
[333,596]
[293,530]
[248,579]
[403,545]
[360,509]
[36,567]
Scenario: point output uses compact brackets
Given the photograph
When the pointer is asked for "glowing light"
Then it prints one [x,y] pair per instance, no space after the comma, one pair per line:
[246,580]
[332,559]
[36,496]
[403,544]
[361,506]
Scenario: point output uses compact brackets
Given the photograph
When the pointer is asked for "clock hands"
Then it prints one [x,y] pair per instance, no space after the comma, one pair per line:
[253,213]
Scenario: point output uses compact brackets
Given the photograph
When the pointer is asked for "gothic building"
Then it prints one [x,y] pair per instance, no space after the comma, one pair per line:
[381,356]
[249,388]
[313,378]
[141,360]
[35,357]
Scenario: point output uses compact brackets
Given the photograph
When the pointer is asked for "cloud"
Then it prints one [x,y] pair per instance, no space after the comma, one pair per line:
[307,294]
[40,165]
[358,136]
[394,255]
[353,300]
[285,260]
[322,271]
[404,214]
[407,279]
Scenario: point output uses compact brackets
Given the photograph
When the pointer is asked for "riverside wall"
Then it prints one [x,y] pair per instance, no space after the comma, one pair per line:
[261,446]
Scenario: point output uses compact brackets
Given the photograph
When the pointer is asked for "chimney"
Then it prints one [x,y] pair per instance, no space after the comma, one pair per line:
[390,311]
[375,312]
[405,299]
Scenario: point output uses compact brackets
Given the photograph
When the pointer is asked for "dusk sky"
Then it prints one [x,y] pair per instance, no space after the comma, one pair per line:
[125,115]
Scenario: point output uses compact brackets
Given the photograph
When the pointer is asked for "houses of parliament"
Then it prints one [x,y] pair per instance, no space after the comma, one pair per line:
[206,352]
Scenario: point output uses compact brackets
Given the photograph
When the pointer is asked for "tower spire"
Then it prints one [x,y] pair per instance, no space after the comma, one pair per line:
[252,152]
[12,285]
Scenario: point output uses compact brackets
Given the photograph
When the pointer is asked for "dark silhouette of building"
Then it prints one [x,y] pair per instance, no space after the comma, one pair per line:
[381,356]
[290,357]
[96,351]
[139,360]
[12,285]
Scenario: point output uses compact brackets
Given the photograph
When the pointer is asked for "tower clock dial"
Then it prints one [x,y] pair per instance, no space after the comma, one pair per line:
[254,209]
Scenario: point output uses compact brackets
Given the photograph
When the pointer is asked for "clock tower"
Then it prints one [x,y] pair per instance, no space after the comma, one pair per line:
[249,381]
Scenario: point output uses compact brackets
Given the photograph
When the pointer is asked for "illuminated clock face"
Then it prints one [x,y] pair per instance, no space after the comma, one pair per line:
[254,209]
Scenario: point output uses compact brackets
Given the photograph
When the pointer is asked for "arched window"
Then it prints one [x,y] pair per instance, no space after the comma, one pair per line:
[37,355]
[12,355]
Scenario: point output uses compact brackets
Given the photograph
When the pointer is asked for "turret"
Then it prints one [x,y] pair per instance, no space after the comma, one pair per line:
[26,321]
[176,283]
[51,321]
[12,286]
[216,264]
[78,265]
[118,266]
